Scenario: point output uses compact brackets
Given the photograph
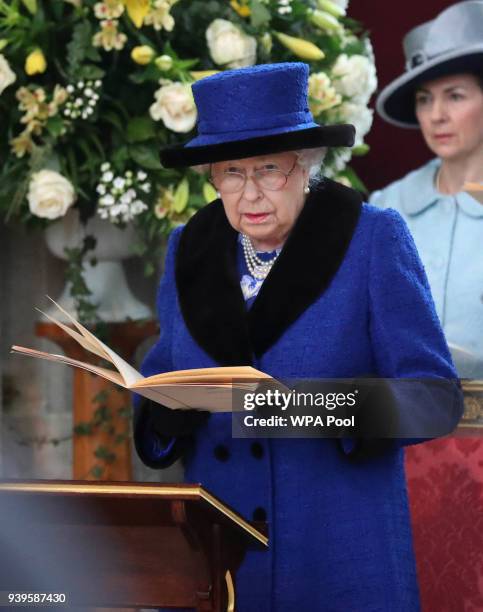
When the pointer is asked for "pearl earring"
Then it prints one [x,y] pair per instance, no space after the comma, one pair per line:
[307,189]
[218,194]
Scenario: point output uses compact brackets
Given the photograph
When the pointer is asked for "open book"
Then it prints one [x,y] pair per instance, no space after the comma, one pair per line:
[205,388]
[475,190]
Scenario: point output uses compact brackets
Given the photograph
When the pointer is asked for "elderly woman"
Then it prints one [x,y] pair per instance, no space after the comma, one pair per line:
[299,280]
[442,94]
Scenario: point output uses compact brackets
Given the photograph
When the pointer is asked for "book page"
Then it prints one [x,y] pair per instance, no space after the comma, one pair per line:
[129,374]
[210,375]
[114,377]
[201,397]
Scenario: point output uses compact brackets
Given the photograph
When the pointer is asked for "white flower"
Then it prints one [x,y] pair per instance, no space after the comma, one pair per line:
[343,4]
[107,177]
[105,166]
[119,182]
[101,189]
[175,107]
[354,77]
[126,198]
[7,76]
[141,175]
[359,115]
[107,200]
[339,162]
[229,46]
[50,194]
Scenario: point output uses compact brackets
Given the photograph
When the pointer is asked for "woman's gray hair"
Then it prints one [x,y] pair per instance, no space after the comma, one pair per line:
[309,159]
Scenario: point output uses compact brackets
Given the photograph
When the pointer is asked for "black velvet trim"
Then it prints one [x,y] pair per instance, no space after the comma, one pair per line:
[322,136]
[209,291]
[320,238]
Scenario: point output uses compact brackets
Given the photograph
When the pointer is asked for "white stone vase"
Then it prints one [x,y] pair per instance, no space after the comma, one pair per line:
[106,279]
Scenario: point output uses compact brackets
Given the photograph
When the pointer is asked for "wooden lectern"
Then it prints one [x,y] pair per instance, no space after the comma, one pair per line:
[122,545]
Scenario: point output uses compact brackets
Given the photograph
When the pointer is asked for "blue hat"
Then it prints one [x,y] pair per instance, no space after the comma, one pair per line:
[254,111]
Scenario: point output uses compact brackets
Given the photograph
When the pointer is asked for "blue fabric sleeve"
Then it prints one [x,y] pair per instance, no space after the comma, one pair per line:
[407,338]
[154,450]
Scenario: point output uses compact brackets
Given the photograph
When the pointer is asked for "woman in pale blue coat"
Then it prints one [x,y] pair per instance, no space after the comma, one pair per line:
[300,281]
[442,93]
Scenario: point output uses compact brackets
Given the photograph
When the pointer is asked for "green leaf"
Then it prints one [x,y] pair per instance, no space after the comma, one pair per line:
[97,471]
[355,180]
[260,15]
[146,156]
[83,429]
[102,452]
[78,47]
[114,119]
[101,397]
[55,125]
[90,71]
[140,129]
[360,150]
[31,5]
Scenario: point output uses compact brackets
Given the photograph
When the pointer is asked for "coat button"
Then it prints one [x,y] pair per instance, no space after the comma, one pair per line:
[257,450]
[259,514]
[221,452]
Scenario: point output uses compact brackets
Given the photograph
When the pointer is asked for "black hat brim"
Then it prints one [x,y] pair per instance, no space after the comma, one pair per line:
[342,135]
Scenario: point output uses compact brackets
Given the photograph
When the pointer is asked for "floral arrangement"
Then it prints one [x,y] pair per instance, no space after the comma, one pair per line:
[91,90]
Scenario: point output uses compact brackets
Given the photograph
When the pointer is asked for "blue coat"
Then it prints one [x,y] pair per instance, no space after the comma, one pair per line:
[346,297]
[448,232]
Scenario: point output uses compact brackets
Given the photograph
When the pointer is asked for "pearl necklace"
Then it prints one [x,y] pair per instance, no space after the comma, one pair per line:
[258,268]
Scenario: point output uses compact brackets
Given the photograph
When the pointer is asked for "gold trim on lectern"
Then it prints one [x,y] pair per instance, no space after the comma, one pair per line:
[194,491]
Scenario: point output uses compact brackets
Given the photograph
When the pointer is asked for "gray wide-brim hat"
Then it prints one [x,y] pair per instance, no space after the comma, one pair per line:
[449,44]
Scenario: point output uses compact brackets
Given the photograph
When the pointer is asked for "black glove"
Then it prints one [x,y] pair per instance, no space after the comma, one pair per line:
[167,422]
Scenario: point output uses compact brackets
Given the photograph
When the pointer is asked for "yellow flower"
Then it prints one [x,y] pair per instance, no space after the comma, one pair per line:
[322,95]
[35,63]
[159,16]
[137,10]
[164,202]
[324,21]
[109,9]
[209,192]
[181,196]
[142,55]
[242,9]
[109,38]
[300,47]
[164,62]
[22,144]
[201,74]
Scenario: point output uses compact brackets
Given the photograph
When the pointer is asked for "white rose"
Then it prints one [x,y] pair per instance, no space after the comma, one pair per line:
[354,77]
[229,46]
[175,107]
[359,115]
[50,194]
[7,76]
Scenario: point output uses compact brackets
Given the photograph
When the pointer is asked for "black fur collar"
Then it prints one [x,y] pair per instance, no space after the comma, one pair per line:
[209,291]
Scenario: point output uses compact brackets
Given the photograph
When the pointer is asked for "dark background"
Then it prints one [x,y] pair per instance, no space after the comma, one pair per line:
[394,151]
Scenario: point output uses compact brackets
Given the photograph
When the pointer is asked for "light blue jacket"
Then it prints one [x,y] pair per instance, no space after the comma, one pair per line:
[448,232]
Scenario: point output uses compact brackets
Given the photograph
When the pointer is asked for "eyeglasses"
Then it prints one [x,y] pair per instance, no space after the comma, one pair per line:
[270,179]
